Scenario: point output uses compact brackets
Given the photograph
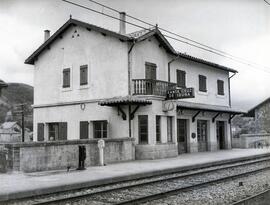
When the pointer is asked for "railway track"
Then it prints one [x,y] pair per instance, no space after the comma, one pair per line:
[153,188]
[253,198]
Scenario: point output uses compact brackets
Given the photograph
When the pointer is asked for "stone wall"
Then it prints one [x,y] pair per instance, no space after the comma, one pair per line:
[157,151]
[262,118]
[41,156]
[254,140]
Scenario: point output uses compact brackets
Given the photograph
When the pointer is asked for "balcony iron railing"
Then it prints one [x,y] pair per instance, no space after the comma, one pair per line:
[152,87]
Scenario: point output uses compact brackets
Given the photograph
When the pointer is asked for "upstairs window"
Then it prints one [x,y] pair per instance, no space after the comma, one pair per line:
[83,75]
[100,129]
[181,78]
[202,83]
[150,71]
[66,78]
[220,87]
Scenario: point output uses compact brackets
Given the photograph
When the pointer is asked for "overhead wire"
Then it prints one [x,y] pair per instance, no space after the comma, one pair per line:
[208,48]
[180,36]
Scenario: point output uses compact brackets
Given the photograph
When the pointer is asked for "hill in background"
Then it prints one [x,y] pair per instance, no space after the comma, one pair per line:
[14,94]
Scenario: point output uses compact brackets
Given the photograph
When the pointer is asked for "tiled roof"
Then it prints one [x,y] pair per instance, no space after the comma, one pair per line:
[32,57]
[139,33]
[127,100]
[8,125]
[209,63]
[207,107]
[137,36]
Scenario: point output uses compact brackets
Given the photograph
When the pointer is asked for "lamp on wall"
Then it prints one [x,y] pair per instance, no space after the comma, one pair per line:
[82,105]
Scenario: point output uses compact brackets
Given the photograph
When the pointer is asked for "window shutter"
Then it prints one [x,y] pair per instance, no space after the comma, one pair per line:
[62,131]
[202,83]
[40,132]
[83,75]
[143,129]
[181,78]
[220,87]
[84,130]
[66,77]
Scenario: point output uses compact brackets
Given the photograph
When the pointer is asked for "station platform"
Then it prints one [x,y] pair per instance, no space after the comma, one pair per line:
[19,185]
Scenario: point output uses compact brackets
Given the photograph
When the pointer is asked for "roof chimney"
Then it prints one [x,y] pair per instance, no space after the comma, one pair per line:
[122,23]
[46,35]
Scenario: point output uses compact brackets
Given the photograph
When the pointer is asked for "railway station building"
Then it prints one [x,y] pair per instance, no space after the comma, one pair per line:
[92,83]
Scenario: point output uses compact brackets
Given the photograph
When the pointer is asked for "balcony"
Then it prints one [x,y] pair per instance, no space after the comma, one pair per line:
[152,87]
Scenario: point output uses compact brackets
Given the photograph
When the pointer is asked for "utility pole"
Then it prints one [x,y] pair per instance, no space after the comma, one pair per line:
[21,112]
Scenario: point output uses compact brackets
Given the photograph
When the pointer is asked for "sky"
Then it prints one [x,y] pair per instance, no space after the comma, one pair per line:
[238,27]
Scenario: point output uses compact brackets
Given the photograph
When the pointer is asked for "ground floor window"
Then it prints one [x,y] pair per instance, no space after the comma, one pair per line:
[169,128]
[84,129]
[57,131]
[158,129]
[143,129]
[100,129]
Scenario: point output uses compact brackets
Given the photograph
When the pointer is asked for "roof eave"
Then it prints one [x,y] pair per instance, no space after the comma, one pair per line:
[31,59]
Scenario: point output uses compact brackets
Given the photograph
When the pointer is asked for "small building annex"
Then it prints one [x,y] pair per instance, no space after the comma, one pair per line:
[261,115]
[90,82]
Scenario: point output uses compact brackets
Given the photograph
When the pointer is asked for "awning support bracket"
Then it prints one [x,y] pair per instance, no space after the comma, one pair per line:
[231,117]
[124,116]
[194,117]
[133,112]
[214,118]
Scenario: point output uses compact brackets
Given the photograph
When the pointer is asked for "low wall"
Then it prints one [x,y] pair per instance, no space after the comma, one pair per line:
[236,142]
[40,156]
[254,140]
[157,151]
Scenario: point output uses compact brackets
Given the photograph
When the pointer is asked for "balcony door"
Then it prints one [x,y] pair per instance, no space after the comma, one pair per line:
[150,71]
[151,76]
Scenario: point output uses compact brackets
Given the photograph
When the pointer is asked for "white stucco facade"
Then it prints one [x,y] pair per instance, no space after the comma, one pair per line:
[109,68]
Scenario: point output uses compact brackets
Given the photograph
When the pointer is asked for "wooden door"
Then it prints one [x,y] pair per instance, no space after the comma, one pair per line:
[202,135]
[220,134]
[182,135]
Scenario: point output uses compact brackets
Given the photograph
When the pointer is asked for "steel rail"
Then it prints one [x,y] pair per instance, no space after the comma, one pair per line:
[188,188]
[242,201]
[185,175]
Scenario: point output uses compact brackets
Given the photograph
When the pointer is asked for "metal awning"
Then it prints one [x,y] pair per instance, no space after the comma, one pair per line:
[127,100]
[208,108]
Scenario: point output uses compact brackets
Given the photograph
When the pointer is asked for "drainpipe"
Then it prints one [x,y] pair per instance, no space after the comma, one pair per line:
[230,103]
[169,67]
[129,67]
[129,86]
[229,85]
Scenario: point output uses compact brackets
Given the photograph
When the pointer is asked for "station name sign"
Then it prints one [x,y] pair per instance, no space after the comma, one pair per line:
[180,93]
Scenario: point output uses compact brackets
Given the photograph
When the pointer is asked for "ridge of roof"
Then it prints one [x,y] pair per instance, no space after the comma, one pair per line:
[137,36]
